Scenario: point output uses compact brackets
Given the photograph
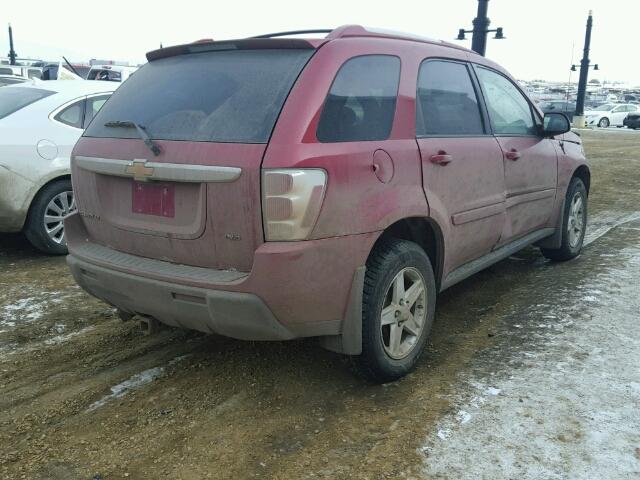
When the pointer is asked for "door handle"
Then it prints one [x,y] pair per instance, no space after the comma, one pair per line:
[513,154]
[441,158]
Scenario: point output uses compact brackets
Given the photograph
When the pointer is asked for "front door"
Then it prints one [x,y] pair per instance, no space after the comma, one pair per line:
[530,160]
[461,162]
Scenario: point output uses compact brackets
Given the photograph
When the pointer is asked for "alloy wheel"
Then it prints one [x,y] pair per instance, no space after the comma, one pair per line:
[60,206]
[576,223]
[403,313]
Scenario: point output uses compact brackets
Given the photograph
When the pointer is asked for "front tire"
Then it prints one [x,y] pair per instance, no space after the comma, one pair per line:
[604,122]
[574,223]
[44,227]
[398,309]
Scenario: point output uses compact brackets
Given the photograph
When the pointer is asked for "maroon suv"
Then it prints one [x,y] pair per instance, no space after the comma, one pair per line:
[271,188]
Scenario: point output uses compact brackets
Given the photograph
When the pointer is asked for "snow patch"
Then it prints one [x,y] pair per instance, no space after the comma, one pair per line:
[133,383]
[58,339]
[603,224]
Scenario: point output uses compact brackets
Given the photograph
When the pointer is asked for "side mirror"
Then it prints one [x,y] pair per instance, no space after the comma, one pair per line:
[555,123]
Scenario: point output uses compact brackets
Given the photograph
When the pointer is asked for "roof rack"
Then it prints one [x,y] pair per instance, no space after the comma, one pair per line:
[272,40]
[293,32]
[361,31]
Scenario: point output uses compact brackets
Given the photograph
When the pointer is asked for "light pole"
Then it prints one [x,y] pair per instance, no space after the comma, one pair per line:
[12,52]
[480,29]
[578,119]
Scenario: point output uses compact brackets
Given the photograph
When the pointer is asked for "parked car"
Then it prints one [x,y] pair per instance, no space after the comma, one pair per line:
[21,71]
[609,114]
[111,73]
[39,124]
[52,71]
[11,80]
[268,189]
[561,106]
[632,120]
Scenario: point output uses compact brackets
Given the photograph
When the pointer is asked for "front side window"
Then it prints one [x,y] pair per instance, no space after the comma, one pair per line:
[72,115]
[361,103]
[509,110]
[446,101]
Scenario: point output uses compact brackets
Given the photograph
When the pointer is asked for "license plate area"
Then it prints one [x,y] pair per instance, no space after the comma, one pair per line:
[156,199]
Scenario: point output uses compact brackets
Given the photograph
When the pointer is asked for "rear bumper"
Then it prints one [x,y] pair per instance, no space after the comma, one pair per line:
[295,289]
[233,314]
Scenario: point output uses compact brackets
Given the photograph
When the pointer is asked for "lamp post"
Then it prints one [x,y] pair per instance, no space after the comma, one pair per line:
[578,119]
[480,29]
[12,52]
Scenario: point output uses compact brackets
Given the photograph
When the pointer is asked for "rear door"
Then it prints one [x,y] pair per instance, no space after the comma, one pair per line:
[197,202]
[618,114]
[461,162]
[530,161]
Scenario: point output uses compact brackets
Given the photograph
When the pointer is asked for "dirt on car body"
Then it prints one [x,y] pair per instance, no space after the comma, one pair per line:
[84,395]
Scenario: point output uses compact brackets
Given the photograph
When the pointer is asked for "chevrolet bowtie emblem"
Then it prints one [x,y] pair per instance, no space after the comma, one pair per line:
[139,170]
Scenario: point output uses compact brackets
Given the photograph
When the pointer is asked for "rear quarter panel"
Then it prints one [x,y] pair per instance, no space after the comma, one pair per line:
[355,201]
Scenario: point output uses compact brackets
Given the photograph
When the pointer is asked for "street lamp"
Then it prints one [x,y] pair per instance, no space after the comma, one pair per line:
[585,65]
[12,52]
[481,29]
[574,68]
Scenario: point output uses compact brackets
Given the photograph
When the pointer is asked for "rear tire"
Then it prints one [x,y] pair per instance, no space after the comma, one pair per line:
[398,309]
[574,223]
[44,227]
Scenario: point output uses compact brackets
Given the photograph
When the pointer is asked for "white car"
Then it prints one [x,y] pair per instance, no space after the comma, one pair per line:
[40,123]
[11,80]
[609,114]
[111,73]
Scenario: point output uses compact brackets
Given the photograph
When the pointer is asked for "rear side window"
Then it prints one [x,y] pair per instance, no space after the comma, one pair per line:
[13,99]
[224,96]
[72,115]
[509,110]
[447,101]
[362,100]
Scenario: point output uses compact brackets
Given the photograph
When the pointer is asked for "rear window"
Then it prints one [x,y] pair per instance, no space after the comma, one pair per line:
[13,99]
[224,96]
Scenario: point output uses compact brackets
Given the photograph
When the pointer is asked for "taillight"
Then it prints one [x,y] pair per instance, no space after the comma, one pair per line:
[291,202]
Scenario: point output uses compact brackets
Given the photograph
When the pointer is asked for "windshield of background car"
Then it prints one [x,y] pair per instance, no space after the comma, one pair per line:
[13,99]
[607,107]
[223,96]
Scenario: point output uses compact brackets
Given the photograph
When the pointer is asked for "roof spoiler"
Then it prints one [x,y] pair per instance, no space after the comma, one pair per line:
[225,45]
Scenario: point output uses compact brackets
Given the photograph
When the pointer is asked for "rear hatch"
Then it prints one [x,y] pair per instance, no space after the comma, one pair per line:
[210,108]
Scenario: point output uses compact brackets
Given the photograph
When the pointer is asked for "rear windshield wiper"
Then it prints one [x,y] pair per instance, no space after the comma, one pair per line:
[141,131]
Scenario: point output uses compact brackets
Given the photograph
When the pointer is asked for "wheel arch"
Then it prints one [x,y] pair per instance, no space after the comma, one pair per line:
[65,176]
[423,231]
[584,174]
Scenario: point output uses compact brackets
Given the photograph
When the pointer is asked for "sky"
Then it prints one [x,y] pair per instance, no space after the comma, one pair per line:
[543,36]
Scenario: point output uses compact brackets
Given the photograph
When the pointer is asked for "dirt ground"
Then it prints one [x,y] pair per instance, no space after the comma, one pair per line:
[532,371]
